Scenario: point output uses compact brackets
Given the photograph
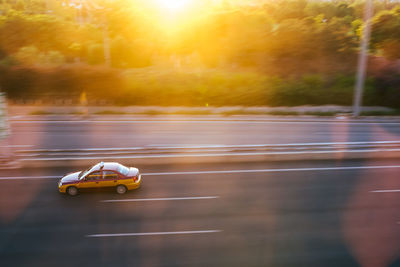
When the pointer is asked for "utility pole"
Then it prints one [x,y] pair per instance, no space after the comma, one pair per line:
[362,59]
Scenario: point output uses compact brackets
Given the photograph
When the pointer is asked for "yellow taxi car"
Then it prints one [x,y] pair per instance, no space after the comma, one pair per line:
[101,175]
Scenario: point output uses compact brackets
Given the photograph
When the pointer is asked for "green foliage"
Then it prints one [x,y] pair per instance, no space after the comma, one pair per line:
[381,113]
[154,86]
[95,54]
[385,32]
[321,113]
[266,36]
[40,112]
[390,48]
[283,113]
[287,52]
[110,112]
[62,82]
[8,61]
[384,89]
[28,55]
[262,36]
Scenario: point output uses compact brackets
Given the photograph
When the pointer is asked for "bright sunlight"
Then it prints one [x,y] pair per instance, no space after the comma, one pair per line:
[173,5]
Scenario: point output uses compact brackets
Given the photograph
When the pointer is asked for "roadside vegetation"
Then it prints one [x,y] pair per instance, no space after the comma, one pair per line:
[225,112]
[214,53]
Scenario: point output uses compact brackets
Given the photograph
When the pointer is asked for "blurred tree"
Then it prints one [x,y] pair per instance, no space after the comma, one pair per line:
[385,33]
[120,52]
[75,51]
[51,58]
[288,38]
[95,54]
[390,48]
[28,55]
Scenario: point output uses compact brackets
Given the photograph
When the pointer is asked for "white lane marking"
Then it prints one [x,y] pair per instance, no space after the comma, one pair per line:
[18,146]
[30,177]
[276,170]
[209,146]
[184,145]
[155,233]
[386,191]
[215,155]
[158,199]
[279,145]
[164,146]
[229,171]
[207,121]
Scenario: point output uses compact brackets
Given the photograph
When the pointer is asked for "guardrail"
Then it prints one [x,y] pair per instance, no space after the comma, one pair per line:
[207,154]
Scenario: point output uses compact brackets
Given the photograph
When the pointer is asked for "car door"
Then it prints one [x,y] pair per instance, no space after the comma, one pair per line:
[110,178]
[91,180]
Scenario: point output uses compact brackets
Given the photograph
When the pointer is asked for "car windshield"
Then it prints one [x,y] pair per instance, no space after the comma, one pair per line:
[122,169]
[83,173]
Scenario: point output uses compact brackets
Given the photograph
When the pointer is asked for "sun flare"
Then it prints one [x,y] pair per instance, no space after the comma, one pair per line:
[173,5]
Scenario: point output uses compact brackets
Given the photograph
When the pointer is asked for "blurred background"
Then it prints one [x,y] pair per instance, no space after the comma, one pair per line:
[218,190]
[196,53]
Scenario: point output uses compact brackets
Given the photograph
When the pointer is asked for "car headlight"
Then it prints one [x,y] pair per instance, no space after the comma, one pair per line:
[59,183]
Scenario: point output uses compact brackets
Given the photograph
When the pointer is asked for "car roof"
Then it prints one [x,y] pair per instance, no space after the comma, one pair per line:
[110,166]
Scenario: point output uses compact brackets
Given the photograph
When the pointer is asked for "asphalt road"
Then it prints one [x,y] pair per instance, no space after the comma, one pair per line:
[116,132]
[321,213]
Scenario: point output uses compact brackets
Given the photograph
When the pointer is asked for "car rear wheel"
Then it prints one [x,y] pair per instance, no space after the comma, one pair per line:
[72,191]
[121,189]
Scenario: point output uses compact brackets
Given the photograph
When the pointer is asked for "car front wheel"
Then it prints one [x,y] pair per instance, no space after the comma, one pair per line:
[121,189]
[72,191]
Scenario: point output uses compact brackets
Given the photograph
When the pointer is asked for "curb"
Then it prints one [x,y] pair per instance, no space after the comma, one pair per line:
[217,158]
[259,118]
[135,156]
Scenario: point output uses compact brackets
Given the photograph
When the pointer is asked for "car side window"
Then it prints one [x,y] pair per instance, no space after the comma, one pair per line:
[110,175]
[94,176]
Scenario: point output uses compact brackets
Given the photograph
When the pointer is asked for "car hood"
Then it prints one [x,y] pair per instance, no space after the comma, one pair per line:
[72,177]
[133,172]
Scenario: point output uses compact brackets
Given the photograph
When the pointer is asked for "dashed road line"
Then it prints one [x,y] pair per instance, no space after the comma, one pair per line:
[386,191]
[228,171]
[155,233]
[30,177]
[274,170]
[158,199]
